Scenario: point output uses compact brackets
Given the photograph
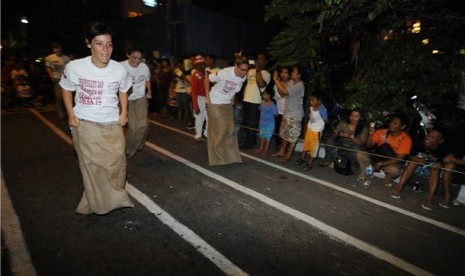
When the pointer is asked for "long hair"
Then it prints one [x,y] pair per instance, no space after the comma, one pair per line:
[361,122]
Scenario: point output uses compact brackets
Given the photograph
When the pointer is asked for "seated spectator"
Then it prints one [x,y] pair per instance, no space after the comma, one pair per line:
[391,142]
[432,154]
[351,133]
[454,164]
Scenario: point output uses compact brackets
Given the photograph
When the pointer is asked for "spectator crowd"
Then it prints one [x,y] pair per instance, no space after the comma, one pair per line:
[248,104]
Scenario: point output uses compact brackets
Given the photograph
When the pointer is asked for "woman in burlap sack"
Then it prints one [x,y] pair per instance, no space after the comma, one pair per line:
[100,84]
[222,142]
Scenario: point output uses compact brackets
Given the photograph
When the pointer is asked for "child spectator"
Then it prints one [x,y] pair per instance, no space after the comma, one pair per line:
[268,112]
[317,118]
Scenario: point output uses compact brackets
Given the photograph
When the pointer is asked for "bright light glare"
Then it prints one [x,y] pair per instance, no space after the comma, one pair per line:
[24,20]
[150,3]
[425,41]
[435,51]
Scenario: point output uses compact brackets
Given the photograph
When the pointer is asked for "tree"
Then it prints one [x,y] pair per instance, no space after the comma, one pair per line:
[393,63]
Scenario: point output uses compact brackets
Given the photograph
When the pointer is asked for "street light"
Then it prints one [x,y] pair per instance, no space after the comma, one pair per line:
[24,20]
[150,3]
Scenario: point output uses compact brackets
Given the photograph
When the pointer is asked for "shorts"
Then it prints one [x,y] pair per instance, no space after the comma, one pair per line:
[312,142]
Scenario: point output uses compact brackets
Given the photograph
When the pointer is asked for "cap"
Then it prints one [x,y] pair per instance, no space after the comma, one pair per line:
[198,59]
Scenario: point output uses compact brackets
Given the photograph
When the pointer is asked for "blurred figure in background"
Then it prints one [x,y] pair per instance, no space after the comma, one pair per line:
[138,126]
[55,64]
[257,80]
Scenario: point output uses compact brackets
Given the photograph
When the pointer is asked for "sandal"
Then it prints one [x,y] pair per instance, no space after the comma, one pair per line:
[307,167]
[299,161]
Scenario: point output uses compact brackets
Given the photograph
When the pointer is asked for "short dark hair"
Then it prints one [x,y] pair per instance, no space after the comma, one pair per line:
[402,117]
[316,95]
[133,49]
[440,130]
[213,57]
[269,92]
[96,29]
[55,44]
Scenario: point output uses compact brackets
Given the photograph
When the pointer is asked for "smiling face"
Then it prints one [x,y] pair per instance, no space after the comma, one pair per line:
[101,47]
[241,70]
[134,59]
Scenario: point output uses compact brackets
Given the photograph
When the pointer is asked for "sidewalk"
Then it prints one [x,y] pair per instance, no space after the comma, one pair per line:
[17,261]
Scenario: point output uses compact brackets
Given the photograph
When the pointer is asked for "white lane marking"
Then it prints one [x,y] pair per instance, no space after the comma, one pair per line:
[380,203]
[53,127]
[326,229]
[20,260]
[172,128]
[436,223]
[185,233]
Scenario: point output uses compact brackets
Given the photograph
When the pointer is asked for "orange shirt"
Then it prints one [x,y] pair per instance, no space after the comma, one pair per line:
[401,144]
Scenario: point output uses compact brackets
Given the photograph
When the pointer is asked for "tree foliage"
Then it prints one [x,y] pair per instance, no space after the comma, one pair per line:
[393,62]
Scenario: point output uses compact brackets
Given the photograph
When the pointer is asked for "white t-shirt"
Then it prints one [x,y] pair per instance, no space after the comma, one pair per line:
[139,76]
[96,89]
[252,94]
[280,100]
[227,85]
[316,122]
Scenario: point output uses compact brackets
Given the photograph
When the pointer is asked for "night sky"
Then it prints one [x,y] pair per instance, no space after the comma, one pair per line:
[64,20]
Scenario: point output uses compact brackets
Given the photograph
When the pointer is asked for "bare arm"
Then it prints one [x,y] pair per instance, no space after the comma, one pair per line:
[206,83]
[148,84]
[68,102]
[259,77]
[282,89]
[123,100]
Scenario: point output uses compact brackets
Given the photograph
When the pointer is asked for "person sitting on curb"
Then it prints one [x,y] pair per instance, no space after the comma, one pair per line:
[399,143]
[350,133]
[450,164]
[433,153]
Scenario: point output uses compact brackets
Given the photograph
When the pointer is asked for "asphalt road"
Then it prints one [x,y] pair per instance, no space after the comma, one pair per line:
[260,217]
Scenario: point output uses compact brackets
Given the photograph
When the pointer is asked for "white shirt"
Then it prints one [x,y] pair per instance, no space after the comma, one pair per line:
[96,89]
[139,75]
[227,85]
[316,122]
[252,93]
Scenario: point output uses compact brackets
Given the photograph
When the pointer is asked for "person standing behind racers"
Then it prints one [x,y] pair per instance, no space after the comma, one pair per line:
[138,128]
[55,64]
[257,80]
[222,142]
[96,122]
[197,81]
[284,77]
[291,124]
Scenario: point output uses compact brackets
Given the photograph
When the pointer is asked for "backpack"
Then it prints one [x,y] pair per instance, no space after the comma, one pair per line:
[342,164]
